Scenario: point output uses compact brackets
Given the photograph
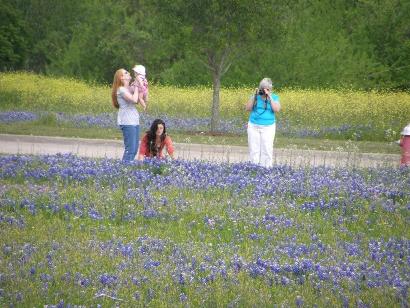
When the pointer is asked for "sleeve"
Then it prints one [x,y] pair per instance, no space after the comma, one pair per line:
[143,145]
[121,90]
[169,145]
[275,98]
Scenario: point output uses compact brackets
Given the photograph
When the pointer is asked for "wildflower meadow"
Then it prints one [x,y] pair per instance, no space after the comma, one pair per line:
[336,114]
[100,233]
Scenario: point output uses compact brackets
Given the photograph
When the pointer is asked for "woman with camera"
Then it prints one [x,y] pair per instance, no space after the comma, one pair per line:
[262,123]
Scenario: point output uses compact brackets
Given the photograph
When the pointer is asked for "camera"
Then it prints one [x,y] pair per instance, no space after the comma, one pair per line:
[261,91]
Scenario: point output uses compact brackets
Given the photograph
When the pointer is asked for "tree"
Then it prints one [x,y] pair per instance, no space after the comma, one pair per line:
[387,24]
[317,49]
[49,29]
[13,46]
[217,31]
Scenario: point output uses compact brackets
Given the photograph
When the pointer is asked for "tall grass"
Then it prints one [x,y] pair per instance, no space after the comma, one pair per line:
[343,113]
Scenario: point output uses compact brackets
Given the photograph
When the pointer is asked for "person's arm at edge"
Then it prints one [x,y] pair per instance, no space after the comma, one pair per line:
[142,148]
[142,101]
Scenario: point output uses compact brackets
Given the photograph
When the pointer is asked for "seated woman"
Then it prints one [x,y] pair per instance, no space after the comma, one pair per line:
[155,140]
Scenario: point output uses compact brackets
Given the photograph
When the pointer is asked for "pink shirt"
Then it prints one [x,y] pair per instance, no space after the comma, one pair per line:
[405,150]
[142,86]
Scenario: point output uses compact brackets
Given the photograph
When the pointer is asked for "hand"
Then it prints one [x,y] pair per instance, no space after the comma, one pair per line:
[138,80]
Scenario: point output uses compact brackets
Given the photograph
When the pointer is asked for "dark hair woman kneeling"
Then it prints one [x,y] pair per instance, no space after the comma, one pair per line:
[154,141]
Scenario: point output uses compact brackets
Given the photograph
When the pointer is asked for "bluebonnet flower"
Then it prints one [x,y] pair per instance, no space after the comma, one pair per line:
[32,270]
[45,277]
[299,301]
[285,280]
[151,264]
[84,282]
[17,116]
[7,249]
[150,294]
[108,280]
[183,297]
[94,214]
[254,236]
[150,213]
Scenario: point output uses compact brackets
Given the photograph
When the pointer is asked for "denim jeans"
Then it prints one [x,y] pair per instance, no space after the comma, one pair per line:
[131,136]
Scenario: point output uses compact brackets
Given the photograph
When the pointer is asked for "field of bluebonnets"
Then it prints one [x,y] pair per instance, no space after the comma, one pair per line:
[335,114]
[97,232]
[76,231]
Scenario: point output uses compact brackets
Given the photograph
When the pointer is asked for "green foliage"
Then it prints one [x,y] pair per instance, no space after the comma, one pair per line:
[49,28]
[387,25]
[306,44]
[49,119]
[224,28]
[108,40]
[13,45]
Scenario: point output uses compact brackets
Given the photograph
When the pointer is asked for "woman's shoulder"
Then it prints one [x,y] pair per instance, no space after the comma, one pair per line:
[121,90]
[167,139]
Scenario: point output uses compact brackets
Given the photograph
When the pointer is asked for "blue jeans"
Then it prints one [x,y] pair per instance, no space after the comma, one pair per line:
[131,141]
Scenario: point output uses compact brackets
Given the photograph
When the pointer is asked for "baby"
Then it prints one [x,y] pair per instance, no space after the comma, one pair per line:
[140,82]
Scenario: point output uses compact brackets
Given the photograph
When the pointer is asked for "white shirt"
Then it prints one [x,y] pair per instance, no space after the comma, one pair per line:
[127,113]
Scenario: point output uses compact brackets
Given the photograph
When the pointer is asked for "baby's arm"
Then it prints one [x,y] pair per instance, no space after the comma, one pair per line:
[141,100]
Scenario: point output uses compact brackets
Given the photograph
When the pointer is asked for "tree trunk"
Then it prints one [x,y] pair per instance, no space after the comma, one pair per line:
[216,79]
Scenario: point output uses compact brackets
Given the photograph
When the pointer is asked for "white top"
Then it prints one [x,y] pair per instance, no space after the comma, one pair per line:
[406,131]
[127,113]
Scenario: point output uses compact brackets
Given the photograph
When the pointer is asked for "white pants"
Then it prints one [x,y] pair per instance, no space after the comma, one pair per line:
[260,142]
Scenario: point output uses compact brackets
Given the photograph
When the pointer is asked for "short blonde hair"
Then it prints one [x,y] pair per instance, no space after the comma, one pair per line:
[266,83]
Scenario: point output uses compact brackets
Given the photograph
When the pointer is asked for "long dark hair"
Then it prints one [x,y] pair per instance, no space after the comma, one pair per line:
[152,136]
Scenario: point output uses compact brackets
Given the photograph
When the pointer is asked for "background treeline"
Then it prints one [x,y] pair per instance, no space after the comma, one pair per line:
[359,44]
